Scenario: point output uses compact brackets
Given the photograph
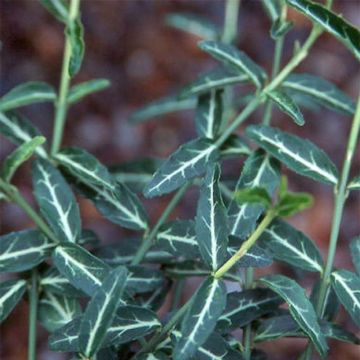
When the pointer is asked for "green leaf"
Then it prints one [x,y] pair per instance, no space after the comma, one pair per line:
[254,195]
[217,78]
[58,8]
[179,238]
[100,312]
[88,237]
[246,306]
[211,224]
[279,28]
[285,103]
[82,269]
[208,114]
[18,129]
[11,292]
[300,308]
[161,107]
[291,203]
[272,8]
[75,33]
[200,320]
[26,94]
[347,287]
[320,90]
[234,146]
[300,155]
[188,161]
[56,201]
[355,253]
[79,91]
[143,279]
[193,24]
[336,332]
[19,156]
[354,184]
[259,170]
[158,355]
[292,246]
[55,310]
[348,34]
[22,250]
[236,60]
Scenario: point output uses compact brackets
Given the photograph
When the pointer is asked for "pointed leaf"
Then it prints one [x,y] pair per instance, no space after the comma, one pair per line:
[58,8]
[354,183]
[319,90]
[254,195]
[235,60]
[291,203]
[26,94]
[19,156]
[143,279]
[211,222]
[55,311]
[292,246]
[11,292]
[77,92]
[23,250]
[234,146]
[300,155]
[56,201]
[100,311]
[348,34]
[200,320]
[300,308]
[75,33]
[355,253]
[259,170]
[287,105]
[347,287]
[188,161]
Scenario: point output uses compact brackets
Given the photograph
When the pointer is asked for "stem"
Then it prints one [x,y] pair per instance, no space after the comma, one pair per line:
[247,332]
[61,103]
[231,20]
[33,297]
[179,286]
[269,217]
[147,243]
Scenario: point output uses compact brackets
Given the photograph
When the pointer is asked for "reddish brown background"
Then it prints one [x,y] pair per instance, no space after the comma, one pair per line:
[128,43]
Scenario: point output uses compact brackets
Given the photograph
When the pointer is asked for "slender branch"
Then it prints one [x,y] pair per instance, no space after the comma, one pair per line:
[231,21]
[248,329]
[33,298]
[61,103]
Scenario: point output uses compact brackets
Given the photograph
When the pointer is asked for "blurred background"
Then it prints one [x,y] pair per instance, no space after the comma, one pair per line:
[128,42]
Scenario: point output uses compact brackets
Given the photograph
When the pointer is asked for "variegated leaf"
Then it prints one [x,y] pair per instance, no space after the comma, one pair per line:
[143,279]
[200,320]
[11,292]
[22,250]
[234,146]
[188,161]
[211,222]
[354,184]
[355,253]
[300,155]
[56,201]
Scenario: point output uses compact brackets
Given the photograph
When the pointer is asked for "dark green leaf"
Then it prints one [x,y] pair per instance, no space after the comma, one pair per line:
[77,92]
[234,146]
[188,161]
[354,183]
[88,237]
[236,60]
[300,155]
[355,253]
[75,33]
[58,8]
[254,195]
[67,337]
[11,292]
[23,250]
[56,201]
[143,279]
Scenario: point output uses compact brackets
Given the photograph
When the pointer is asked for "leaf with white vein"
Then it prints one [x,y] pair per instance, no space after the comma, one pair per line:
[26,94]
[260,170]
[300,308]
[347,33]
[200,320]
[292,246]
[217,78]
[85,271]
[100,312]
[236,60]
[287,105]
[355,253]
[23,250]
[188,161]
[77,92]
[354,184]
[209,113]
[143,279]
[234,146]
[211,223]
[347,287]
[55,310]
[319,90]
[300,155]
[11,292]
[56,201]
[18,130]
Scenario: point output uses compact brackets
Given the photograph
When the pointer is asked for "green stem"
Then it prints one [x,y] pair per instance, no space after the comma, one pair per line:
[33,298]
[246,245]
[61,103]
[147,243]
[248,329]
[178,289]
[231,21]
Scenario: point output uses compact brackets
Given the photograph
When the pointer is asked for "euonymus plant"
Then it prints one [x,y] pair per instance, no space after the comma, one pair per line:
[101,301]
